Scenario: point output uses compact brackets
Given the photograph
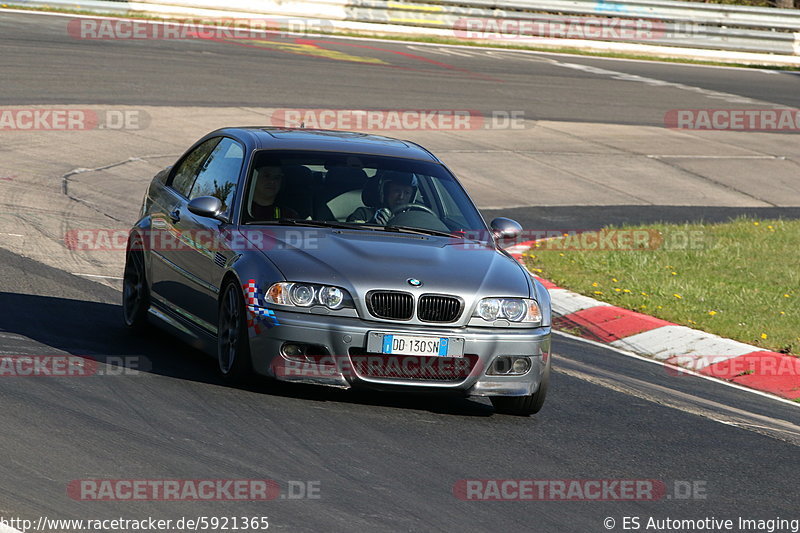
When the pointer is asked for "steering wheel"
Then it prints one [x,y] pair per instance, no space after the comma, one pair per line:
[407,207]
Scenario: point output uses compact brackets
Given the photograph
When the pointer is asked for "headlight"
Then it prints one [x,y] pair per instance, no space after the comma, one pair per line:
[307,294]
[301,294]
[523,310]
[331,297]
[489,308]
[514,310]
[279,294]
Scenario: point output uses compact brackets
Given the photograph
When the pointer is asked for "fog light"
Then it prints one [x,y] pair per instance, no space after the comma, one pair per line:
[510,366]
[501,365]
[521,365]
[294,351]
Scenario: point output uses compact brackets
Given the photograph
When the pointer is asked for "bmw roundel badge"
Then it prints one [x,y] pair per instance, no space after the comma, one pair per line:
[414,282]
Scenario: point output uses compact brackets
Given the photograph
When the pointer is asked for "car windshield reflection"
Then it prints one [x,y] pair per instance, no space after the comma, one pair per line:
[357,191]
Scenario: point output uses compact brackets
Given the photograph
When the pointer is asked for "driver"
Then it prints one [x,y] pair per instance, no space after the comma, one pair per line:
[268,184]
[396,189]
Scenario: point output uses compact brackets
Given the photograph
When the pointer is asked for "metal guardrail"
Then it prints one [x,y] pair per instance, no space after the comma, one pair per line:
[762,32]
[115,7]
[660,22]
[717,14]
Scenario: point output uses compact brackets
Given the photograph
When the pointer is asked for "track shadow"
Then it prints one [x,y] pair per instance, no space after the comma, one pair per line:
[46,325]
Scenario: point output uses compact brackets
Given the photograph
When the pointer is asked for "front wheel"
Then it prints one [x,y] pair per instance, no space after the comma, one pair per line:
[522,405]
[135,294]
[233,344]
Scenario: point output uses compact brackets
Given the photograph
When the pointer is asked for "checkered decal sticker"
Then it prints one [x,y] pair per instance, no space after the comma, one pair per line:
[257,314]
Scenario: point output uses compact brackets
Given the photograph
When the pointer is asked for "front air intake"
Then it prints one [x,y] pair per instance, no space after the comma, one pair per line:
[439,308]
[391,305]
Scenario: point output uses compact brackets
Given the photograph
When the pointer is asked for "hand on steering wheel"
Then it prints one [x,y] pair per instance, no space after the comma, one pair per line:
[408,207]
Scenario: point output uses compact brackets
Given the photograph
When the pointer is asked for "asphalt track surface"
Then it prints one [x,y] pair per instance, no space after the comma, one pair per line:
[42,64]
[384,462]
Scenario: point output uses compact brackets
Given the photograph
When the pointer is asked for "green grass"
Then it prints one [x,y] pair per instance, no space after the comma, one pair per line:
[739,279]
[432,40]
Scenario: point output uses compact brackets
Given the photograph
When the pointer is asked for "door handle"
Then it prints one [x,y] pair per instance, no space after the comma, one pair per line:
[175,216]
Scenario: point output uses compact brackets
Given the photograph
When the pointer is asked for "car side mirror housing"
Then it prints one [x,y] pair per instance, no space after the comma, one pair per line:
[505,228]
[206,206]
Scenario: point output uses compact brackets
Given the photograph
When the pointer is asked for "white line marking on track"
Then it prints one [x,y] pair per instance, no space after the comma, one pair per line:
[95,276]
[677,368]
[622,76]
[683,401]
[681,156]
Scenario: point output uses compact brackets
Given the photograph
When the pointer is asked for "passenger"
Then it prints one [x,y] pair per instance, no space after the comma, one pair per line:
[396,189]
[268,184]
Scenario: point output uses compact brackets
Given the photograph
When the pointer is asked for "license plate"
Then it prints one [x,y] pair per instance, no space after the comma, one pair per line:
[421,345]
[415,345]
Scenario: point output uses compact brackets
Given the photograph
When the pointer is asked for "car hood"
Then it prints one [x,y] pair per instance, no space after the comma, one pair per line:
[363,260]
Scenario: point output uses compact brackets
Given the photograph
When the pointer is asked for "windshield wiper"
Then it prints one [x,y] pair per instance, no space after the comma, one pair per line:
[424,231]
[419,231]
[356,225]
[306,223]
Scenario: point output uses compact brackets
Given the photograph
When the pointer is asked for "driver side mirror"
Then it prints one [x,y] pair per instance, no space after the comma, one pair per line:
[505,228]
[206,206]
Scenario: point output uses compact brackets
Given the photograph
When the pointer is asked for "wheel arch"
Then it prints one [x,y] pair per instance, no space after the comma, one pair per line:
[230,275]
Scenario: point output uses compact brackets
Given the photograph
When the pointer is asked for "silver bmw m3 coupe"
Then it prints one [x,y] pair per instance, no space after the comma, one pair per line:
[340,259]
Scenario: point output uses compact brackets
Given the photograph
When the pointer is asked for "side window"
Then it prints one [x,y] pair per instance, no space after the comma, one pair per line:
[220,173]
[450,209]
[187,169]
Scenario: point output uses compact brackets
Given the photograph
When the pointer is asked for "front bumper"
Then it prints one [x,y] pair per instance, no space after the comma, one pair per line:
[344,339]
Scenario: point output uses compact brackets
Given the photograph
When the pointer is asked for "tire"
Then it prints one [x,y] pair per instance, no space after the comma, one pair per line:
[523,405]
[233,345]
[135,293]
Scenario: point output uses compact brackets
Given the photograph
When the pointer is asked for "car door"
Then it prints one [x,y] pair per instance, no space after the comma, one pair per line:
[202,258]
[170,286]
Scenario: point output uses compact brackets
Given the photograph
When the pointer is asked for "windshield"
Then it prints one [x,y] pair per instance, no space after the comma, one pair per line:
[357,191]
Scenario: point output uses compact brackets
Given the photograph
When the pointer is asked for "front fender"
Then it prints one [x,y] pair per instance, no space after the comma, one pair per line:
[543,297]
[251,265]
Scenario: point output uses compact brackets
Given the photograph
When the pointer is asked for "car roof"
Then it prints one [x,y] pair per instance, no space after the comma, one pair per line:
[275,138]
